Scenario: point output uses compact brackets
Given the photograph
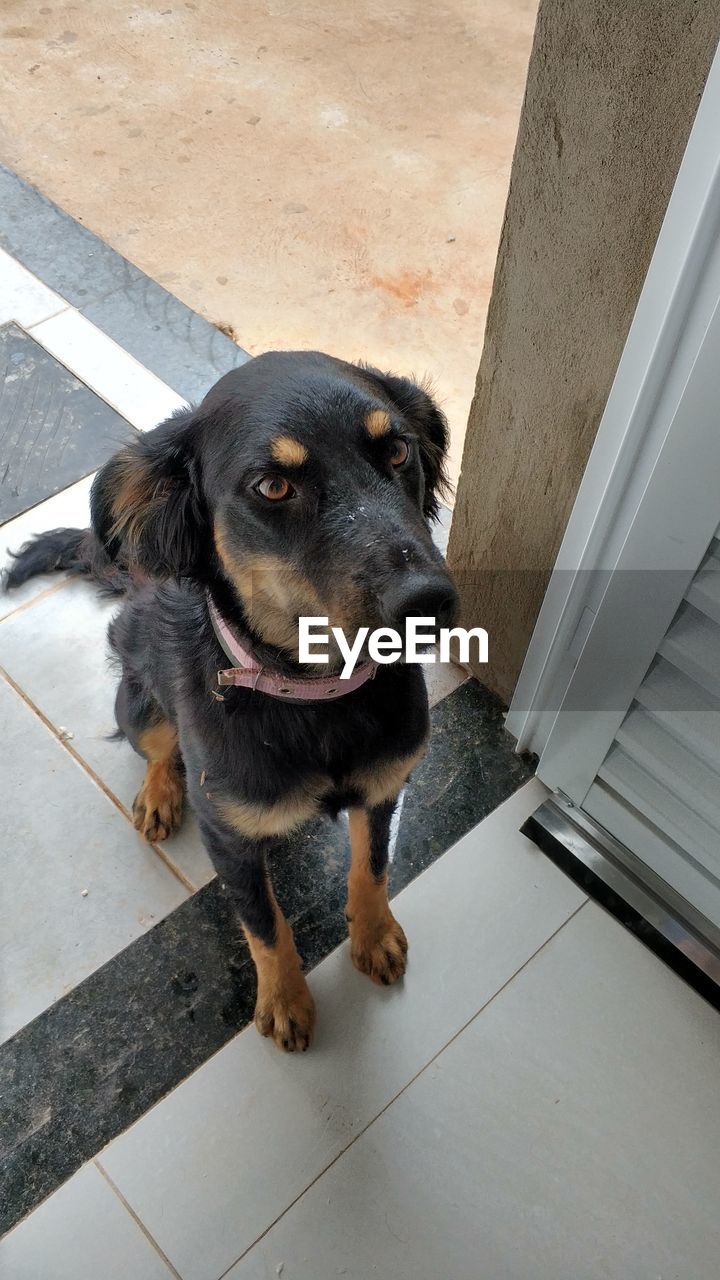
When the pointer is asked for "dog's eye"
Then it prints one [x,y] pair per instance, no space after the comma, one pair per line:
[275,488]
[399,452]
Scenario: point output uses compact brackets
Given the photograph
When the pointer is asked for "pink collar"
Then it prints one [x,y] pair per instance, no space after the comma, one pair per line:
[250,674]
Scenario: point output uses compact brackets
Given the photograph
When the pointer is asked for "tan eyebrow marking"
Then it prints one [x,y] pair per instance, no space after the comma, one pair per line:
[288,451]
[377,423]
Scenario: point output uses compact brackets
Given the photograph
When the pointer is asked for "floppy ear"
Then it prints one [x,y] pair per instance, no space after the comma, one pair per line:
[146,502]
[431,425]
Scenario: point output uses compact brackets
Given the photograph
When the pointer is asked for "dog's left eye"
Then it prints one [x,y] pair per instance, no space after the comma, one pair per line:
[399,451]
[275,488]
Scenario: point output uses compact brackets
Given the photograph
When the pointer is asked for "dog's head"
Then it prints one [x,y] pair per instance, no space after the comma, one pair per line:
[303,485]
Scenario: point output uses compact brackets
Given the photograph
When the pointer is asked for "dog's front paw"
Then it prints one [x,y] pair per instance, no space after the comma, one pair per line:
[378,948]
[158,805]
[288,1015]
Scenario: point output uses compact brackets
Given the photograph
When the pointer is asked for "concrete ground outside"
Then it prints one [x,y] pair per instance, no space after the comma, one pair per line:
[310,175]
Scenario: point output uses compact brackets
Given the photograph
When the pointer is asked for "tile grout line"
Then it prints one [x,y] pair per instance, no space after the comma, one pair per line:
[138,1221]
[95,777]
[421,1070]
[165,858]
[337,947]
[406,1086]
[94,1149]
[41,595]
[65,307]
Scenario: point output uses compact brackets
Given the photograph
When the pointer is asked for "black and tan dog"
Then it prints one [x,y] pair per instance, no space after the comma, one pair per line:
[301,485]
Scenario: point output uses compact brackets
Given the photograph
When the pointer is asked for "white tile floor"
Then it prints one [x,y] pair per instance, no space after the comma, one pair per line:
[68,903]
[538,1101]
[73,622]
[50,1245]
[568,1132]
[56,712]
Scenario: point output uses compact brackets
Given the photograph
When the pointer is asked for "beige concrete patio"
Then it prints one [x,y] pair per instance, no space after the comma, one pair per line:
[308,174]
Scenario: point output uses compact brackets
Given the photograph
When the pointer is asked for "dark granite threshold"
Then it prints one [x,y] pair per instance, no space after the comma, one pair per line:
[53,429]
[93,1063]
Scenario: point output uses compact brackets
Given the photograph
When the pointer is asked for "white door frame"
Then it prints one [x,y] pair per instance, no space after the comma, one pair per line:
[676,306]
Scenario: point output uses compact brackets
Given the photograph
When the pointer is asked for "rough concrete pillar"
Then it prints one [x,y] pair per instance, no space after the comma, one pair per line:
[611,95]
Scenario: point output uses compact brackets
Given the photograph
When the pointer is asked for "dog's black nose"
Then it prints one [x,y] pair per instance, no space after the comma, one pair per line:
[421,596]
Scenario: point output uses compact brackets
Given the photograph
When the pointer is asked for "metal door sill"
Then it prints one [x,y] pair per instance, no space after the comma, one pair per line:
[663,921]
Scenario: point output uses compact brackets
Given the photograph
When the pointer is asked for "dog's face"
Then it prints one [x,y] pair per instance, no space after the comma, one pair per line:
[304,484]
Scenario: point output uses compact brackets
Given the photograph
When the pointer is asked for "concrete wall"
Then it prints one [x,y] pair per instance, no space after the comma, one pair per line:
[613,87]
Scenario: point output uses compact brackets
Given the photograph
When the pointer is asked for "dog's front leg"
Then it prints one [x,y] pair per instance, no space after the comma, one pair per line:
[284,1008]
[378,945]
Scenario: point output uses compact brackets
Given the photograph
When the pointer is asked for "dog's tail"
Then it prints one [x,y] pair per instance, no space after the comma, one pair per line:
[76,551]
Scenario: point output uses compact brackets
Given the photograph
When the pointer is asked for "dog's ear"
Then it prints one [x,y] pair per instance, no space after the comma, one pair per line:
[431,425]
[146,502]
